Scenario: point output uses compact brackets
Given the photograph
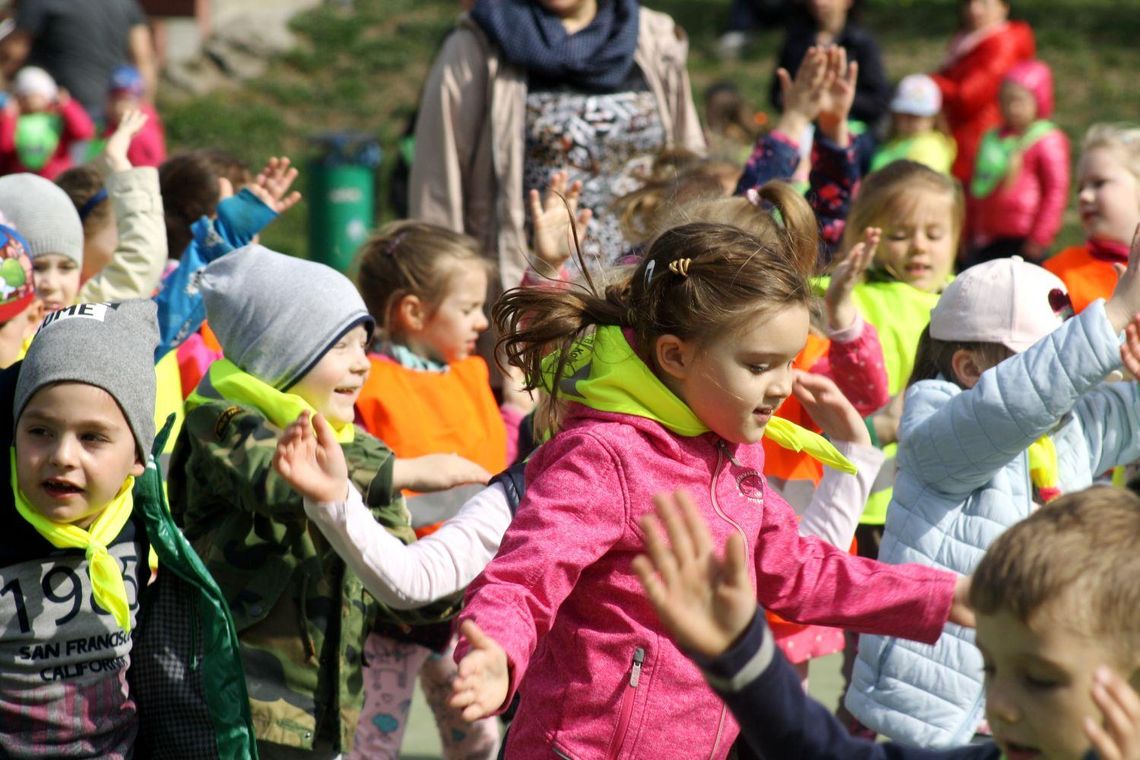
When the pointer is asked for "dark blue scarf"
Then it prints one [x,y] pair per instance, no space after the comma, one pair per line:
[598,58]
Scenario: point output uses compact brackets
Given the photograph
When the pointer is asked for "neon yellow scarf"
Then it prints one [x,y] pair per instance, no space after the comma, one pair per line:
[106,579]
[226,381]
[605,373]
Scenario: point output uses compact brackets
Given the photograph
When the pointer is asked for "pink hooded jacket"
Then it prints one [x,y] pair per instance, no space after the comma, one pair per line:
[1029,205]
[598,675]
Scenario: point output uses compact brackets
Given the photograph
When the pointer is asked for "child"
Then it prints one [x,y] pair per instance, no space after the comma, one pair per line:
[1058,621]
[976,456]
[300,615]
[427,392]
[1108,199]
[1021,178]
[40,125]
[914,132]
[730,126]
[127,93]
[47,219]
[97,658]
[672,374]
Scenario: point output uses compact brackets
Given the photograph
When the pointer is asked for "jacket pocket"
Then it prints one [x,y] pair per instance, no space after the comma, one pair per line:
[625,709]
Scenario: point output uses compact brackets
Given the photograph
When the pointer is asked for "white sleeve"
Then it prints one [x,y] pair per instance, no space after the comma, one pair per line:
[406,576]
[838,502]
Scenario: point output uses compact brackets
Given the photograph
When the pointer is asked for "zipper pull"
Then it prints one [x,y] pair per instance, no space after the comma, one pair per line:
[635,674]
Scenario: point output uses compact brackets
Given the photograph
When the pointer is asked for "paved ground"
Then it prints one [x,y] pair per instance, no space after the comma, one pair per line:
[422,741]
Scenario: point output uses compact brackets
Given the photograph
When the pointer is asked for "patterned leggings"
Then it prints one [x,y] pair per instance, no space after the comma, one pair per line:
[389,682]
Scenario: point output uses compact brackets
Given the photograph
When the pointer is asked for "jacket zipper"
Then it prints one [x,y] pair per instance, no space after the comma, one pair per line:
[627,704]
[720,457]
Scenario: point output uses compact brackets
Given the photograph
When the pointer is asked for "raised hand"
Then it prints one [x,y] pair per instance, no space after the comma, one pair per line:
[961,613]
[313,464]
[841,311]
[704,601]
[552,215]
[803,96]
[838,95]
[480,687]
[437,472]
[120,140]
[1119,737]
[826,404]
[273,182]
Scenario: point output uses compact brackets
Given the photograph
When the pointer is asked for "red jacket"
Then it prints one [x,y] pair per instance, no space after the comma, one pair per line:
[76,126]
[597,674]
[970,82]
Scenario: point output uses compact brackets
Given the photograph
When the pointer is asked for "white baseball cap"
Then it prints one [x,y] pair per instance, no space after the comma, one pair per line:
[1006,301]
[917,95]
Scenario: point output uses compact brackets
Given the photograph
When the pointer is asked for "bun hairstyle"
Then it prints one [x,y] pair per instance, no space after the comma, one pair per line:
[697,281]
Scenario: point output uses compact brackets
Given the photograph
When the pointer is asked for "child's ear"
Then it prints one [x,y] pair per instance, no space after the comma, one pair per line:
[138,468]
[967,369]
[410,314]
[674,356]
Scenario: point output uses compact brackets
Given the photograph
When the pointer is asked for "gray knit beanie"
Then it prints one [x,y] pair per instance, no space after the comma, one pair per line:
[276,315]
[43,214]
[110,346]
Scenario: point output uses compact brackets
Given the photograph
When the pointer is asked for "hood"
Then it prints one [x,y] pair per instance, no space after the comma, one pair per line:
[1037,77]
[604,372]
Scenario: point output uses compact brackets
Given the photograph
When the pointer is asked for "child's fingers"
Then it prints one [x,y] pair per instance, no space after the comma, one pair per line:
[474,634]
[654,588]
[534,201]
[1119,704]
[785,80]
[670,515]
[696,527]
[852,73]
[736,562]
[1105,746]
[662,557]
[326,438]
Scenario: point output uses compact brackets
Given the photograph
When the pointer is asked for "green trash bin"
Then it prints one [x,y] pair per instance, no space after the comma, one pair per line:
[342,196]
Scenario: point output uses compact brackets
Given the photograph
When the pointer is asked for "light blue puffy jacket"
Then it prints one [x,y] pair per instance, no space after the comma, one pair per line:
[963,478]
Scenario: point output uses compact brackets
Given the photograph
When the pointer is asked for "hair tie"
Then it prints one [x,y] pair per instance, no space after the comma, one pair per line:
[648,273]
[680,266]
[390,248]
[86,209]
[752,195]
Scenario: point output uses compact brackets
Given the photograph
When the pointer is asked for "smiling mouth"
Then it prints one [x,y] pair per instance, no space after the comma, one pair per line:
[347,390]
[58,487]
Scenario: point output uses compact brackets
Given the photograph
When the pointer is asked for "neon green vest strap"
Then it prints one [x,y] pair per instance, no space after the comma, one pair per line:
[605,373]
[225,381]
[995,154]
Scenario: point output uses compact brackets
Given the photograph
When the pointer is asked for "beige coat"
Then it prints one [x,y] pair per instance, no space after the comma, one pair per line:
[470,134]
[136,265]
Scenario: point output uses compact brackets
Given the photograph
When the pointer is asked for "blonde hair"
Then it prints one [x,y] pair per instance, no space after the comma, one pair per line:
[889,193]
[1080,548]
[411,258]
[1124,138]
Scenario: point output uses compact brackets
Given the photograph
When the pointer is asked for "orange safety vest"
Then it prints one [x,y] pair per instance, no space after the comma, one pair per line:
[1087,278]
[418,413]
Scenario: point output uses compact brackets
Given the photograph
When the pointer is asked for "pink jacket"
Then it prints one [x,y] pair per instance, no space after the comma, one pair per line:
[597,674]
[1030,204]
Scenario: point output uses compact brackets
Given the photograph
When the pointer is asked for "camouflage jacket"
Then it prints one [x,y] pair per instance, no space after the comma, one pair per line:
[301,615]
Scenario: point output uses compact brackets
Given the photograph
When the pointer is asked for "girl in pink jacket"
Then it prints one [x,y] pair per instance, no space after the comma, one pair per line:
[672,376]
[1021,176]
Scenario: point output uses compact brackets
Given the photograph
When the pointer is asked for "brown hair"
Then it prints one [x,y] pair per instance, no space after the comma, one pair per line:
[189,185]
[934,357]
[696,281]
[410,258]
[890,193]
[81,183]
[1080,547]
[726,113]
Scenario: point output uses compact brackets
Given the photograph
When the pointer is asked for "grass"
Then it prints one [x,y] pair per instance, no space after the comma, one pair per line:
[360,68]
